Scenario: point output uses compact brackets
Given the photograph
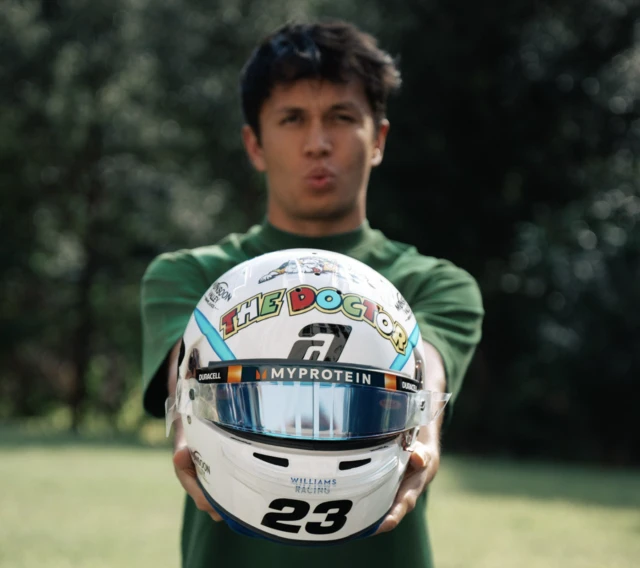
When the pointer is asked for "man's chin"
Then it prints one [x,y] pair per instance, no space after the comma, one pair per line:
[326,213]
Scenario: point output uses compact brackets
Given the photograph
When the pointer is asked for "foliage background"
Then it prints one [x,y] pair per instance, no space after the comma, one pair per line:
[513,152]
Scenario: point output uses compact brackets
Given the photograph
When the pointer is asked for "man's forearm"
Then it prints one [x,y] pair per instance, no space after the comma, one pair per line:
[172,380]
[434,379]
[434,376]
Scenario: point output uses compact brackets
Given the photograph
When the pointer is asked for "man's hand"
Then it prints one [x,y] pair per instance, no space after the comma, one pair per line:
[182,462]
[422,468]
[425,457]
[186,472]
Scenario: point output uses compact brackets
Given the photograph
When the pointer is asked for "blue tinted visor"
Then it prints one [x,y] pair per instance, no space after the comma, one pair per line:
[314,401]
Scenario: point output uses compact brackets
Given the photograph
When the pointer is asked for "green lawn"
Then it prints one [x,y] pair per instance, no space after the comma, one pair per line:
[72,505]
[490,514]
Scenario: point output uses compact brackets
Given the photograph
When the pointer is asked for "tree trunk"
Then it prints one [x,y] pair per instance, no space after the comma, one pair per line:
[82,342]
[50,9]
[85,318]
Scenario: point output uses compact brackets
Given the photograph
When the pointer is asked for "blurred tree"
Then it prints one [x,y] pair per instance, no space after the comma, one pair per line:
[119,138]
[514,121]
[63,62]
[517,113]
[512,152]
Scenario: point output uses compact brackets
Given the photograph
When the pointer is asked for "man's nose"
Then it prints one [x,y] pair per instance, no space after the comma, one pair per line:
[318,140]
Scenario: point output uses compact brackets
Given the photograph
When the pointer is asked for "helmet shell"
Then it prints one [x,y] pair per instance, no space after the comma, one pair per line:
[300,304]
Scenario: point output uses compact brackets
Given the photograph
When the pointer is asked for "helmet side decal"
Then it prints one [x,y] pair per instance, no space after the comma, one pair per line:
[213,337]
[401,359]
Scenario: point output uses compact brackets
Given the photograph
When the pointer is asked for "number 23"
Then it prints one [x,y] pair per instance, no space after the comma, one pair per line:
[335,511]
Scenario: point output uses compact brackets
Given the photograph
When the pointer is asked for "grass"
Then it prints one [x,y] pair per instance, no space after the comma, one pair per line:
[72,504]
[493,514]
[66,505]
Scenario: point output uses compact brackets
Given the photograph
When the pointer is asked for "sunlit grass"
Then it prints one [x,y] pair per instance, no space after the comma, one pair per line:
[66,504]
[487,514]
[88,506]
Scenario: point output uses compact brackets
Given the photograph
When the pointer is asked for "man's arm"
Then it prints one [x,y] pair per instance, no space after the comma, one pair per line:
[182,462]
[425,458]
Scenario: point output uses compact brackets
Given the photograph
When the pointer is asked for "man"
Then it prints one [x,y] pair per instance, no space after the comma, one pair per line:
[314,100]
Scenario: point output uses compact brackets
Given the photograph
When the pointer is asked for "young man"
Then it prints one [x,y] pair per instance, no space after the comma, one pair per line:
[314,100]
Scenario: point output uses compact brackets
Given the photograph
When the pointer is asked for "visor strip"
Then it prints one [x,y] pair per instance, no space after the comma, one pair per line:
[284,372]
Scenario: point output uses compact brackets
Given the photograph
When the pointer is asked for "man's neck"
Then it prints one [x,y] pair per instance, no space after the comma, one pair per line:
[316,227]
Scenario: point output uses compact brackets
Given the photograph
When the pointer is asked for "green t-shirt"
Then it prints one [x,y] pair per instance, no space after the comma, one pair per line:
[447,304]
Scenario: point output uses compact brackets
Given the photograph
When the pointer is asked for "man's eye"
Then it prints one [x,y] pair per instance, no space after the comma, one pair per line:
[291,119]
[345,118]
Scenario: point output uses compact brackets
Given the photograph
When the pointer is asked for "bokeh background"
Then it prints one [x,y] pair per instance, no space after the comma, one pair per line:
[513,152]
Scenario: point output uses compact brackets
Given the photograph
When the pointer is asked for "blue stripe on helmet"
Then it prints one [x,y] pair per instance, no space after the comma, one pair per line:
[401,360]
[213,337]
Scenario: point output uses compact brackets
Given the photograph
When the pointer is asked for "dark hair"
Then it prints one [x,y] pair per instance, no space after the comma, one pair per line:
[335,50]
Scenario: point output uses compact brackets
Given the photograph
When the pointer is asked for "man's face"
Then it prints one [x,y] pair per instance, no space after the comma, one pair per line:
[318,143]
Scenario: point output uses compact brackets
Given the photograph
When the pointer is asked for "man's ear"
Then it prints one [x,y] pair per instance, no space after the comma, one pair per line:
[253,148]
[381,139]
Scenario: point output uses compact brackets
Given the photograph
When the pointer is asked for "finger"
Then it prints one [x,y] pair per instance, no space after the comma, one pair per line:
[423,457]
[398,512]
[182,460]
[419,473]
[420,456]
[387,525]
[406,498]
[191,486]
[187,476]
[217,518]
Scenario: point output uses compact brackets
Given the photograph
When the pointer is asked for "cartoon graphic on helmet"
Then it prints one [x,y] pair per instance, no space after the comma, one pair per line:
[307,265]
[300,402]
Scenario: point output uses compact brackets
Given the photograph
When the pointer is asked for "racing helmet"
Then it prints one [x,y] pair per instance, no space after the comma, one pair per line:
[300,392]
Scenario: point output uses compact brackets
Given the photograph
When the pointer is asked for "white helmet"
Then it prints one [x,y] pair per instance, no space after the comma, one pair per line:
[300,391]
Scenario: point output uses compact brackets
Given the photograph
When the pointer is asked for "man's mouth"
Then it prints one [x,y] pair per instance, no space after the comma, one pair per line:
[320,178]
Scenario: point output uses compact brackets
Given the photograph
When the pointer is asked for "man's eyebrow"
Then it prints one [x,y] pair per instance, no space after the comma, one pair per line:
[288,109]
[343,105]
[346,105]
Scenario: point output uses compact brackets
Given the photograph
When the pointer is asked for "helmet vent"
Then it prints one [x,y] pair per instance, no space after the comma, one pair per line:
[282,462]
[352,464]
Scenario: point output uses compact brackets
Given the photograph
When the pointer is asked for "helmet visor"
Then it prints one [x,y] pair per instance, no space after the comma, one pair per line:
[308,401]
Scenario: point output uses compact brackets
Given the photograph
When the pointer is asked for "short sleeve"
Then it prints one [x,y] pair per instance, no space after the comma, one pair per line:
[448,307]
[171,288]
